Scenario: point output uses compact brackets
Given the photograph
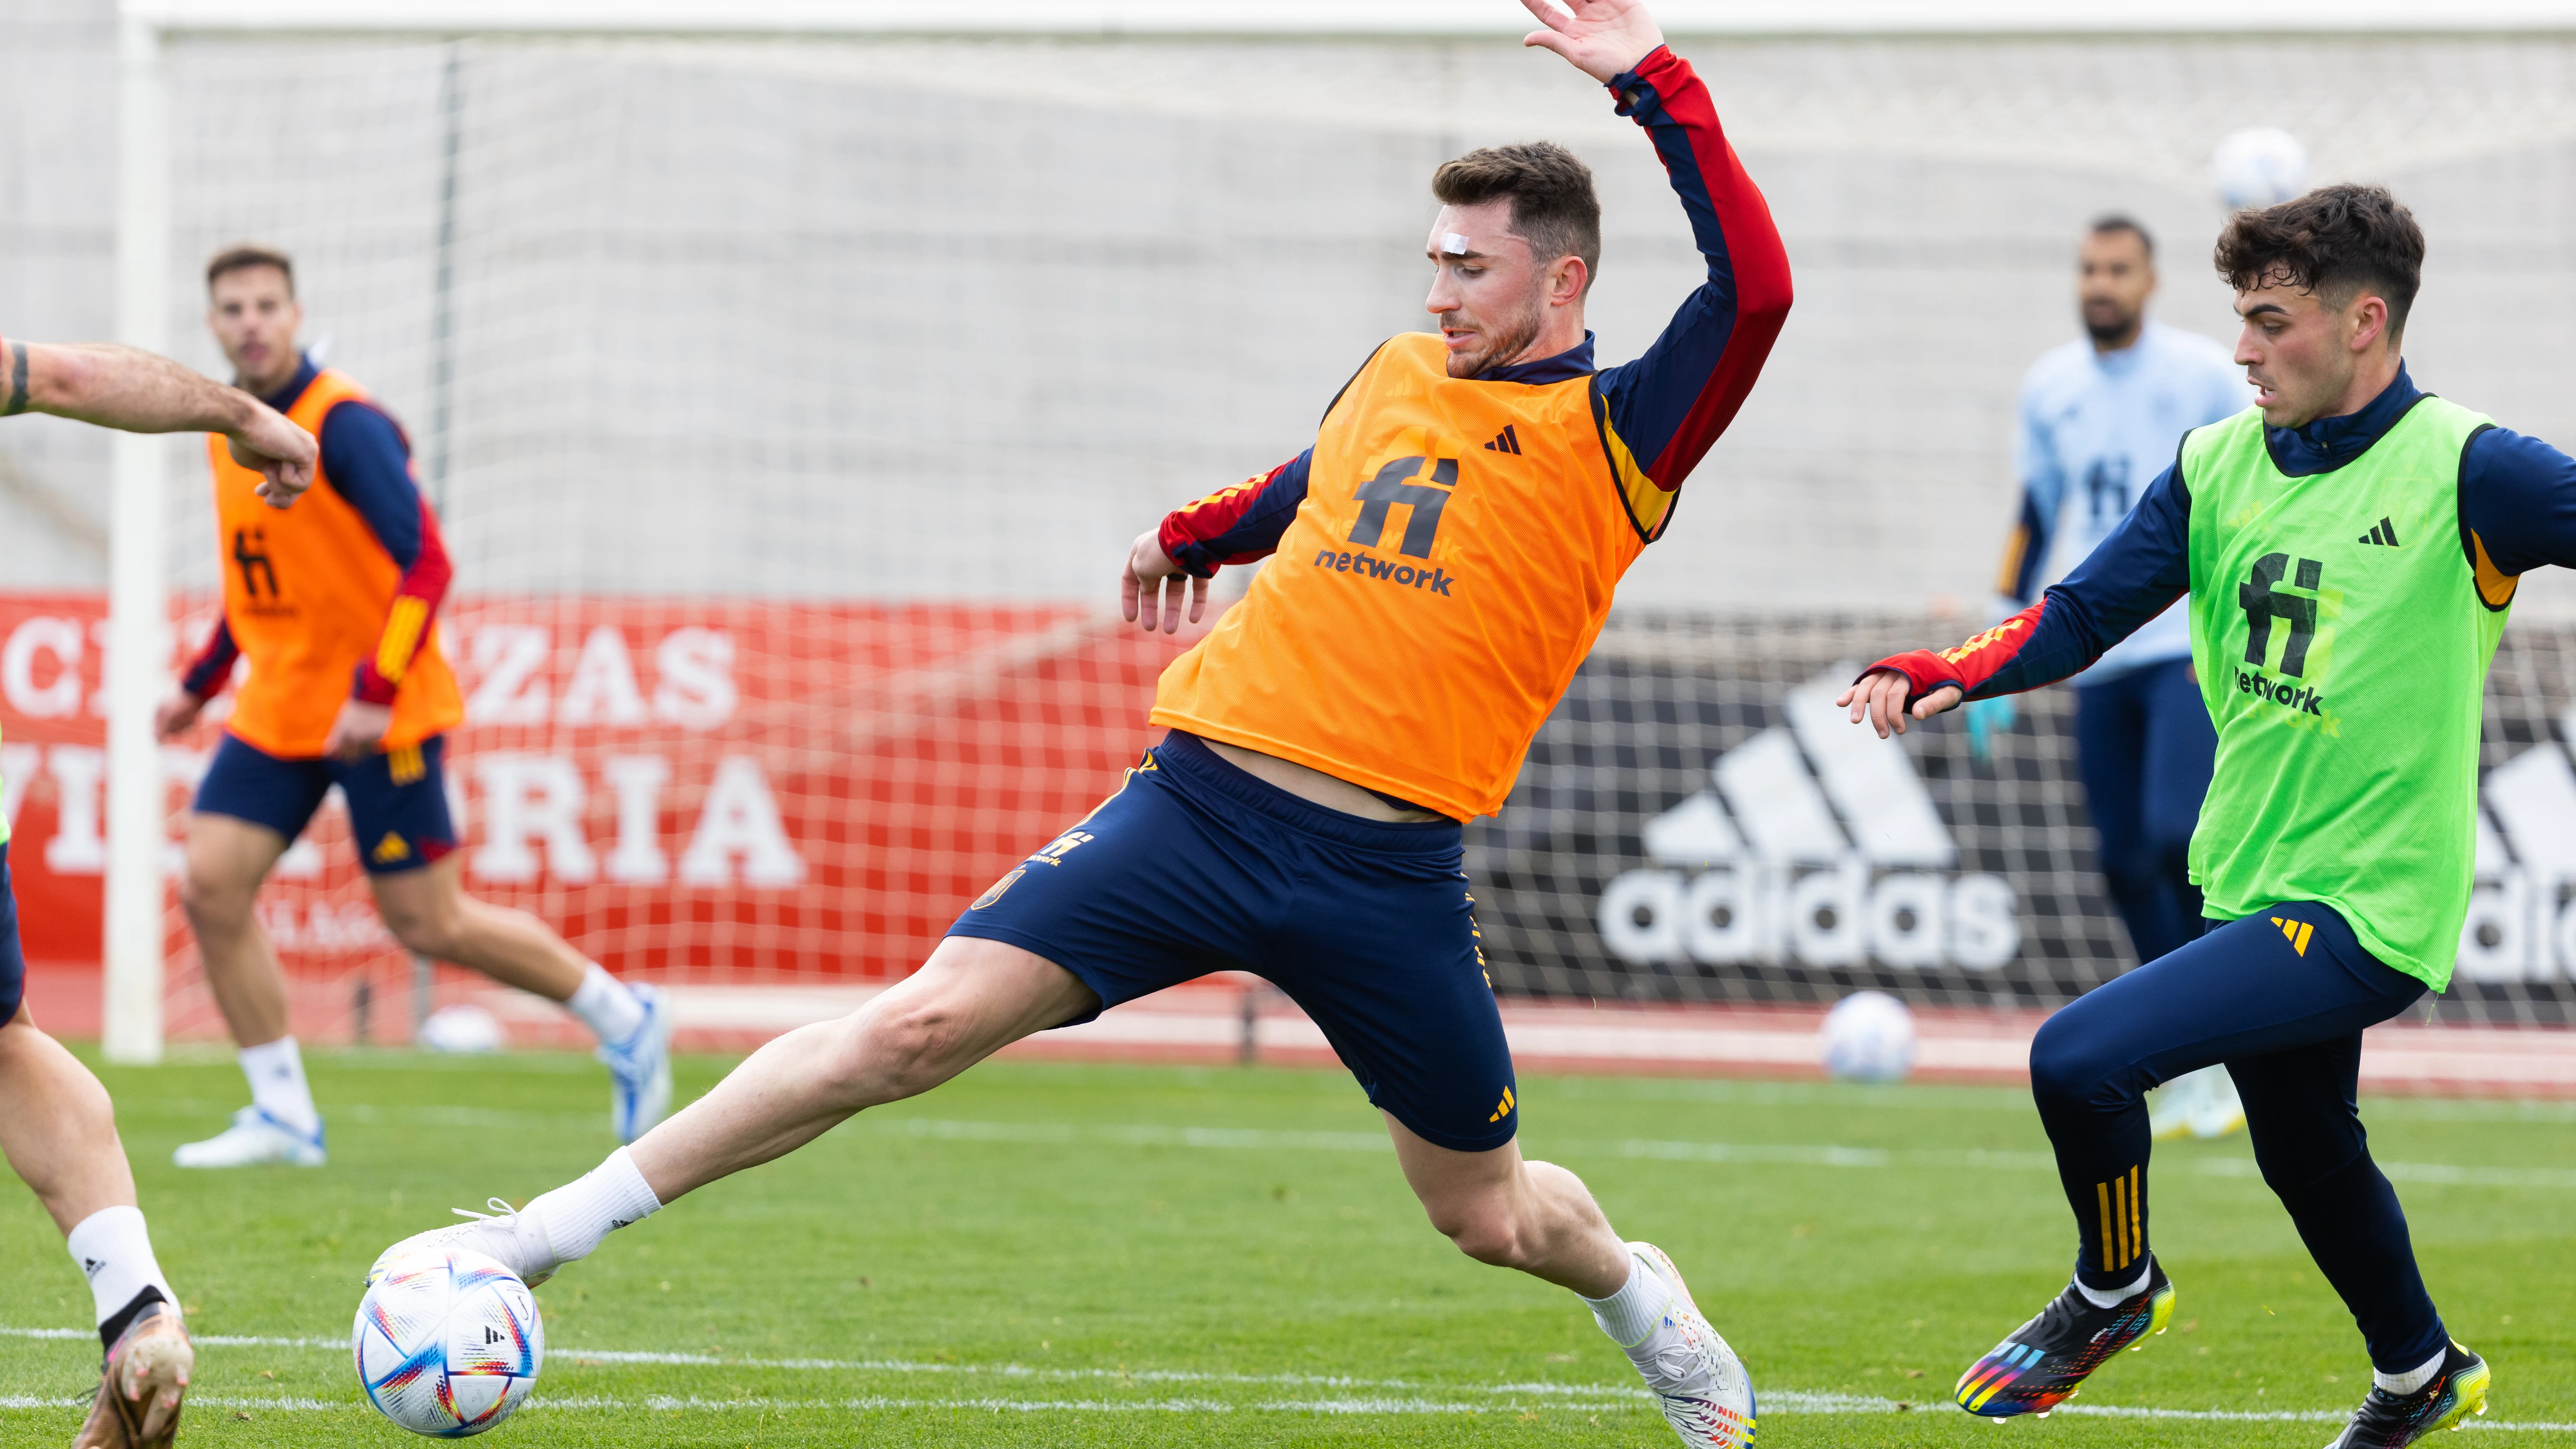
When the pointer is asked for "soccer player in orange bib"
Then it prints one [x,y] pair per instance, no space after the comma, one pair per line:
[1445,556]
[57,1126]
[332,605]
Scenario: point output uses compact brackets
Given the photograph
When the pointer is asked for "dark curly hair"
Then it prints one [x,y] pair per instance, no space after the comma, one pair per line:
[2336,241]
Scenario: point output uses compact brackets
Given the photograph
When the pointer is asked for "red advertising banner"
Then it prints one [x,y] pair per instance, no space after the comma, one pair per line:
[703,790]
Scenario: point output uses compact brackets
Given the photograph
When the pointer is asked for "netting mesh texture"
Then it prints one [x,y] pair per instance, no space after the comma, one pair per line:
[1666,697]
[871,357]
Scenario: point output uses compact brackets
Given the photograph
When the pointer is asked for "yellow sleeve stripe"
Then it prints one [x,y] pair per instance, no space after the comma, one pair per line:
[2495,586]
[1649,507]
[401,638]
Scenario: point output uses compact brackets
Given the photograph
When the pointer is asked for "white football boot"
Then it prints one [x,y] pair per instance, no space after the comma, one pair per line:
[639,1069]
[516,1240]
[1705,1393]
[254,1138]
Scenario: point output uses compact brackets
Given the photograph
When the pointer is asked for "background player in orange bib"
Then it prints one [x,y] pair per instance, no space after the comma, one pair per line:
[57,1126]
[1447,551]
[332,604]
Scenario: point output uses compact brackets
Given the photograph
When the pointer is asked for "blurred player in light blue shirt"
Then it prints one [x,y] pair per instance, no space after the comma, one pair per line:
[2100,417]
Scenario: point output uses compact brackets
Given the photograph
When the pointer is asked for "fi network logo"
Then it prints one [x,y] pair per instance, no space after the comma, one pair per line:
[1818,844]
[2522,924]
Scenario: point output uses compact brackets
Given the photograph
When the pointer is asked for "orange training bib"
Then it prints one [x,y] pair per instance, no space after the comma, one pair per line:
[307,592]
[1450,566]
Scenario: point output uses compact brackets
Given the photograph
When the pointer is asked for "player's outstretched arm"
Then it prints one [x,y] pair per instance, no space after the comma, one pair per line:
[1230,526]
[1664,409]
[141,392]
[1601,38]
[2137,573]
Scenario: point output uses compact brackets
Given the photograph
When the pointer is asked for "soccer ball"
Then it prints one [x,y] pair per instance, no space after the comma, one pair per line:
[461,1028]
[447,1341]
[2258,166]
[1869,1037]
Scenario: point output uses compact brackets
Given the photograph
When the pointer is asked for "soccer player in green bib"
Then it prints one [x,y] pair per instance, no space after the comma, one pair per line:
[2350,546]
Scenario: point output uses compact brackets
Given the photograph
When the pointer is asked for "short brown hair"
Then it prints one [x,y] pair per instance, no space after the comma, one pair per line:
[242,256]
[1553,206]
[2336,241]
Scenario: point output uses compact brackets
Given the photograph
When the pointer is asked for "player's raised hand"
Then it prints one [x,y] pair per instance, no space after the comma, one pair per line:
[1880,695]
[282,452]
[1603,38]
[1141,586]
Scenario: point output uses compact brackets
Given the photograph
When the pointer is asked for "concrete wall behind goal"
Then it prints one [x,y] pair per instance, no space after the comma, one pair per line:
[952,319]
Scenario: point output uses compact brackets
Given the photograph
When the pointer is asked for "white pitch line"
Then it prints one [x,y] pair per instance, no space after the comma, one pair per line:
[600,1356]
[1257,1139]
[1776,1153]
[1778,1401]
[203,1401]
[219,1340]
[1142,1135]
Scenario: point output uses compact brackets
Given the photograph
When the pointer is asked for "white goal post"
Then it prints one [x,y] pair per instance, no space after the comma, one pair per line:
[141,526]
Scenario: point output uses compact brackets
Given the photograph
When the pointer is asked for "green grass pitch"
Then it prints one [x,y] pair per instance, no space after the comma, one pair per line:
[1062,1254]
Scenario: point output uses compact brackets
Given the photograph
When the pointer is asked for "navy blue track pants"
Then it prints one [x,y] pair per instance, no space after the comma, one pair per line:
[2144,746]
[2281,998]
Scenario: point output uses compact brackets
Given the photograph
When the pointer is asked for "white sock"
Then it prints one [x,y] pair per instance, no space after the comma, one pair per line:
[115,1250]
[1631,1315]
[2112,1297]
[2407,1383]
[603,1003]
[277,1085]
[578,1214]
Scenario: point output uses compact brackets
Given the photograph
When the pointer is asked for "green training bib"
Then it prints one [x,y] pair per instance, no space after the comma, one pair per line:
[2342,639]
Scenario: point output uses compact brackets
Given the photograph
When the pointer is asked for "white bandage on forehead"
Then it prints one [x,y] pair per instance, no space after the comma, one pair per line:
[1454,244]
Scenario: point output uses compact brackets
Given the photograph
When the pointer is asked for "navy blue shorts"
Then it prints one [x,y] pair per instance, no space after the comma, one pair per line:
[397,798]
[1195,866]
[13,959]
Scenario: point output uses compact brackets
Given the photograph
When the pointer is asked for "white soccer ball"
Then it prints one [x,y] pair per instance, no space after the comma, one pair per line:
[1869,1037]
[447,1342]
[2258,166]
[461,1028]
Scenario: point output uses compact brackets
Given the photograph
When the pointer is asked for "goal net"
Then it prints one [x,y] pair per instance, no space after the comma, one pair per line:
[790,405]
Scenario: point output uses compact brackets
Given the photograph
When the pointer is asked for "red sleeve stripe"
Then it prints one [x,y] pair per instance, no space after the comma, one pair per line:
[1972,663]
[1237,524]
[1754,252]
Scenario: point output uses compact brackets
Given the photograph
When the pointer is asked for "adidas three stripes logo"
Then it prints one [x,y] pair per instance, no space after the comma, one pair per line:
[1505,441]
[2382,532]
